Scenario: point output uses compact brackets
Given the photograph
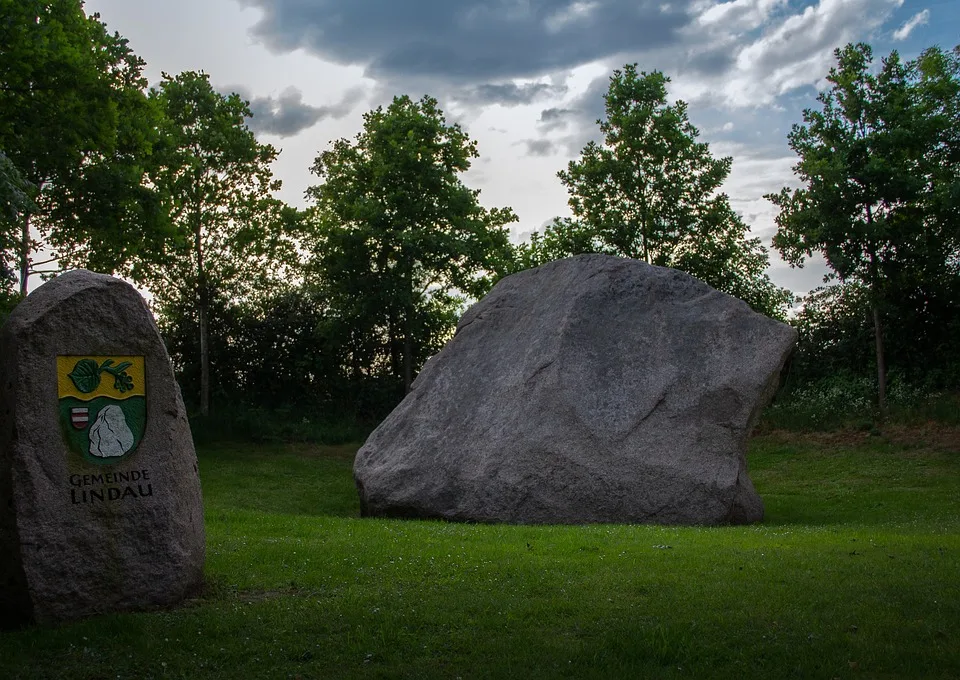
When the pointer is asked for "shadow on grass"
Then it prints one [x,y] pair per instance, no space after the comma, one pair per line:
[848,478]
[831,586]
[285,479]
[852,478]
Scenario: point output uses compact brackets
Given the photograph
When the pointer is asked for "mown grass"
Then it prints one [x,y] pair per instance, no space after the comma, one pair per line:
[854,573]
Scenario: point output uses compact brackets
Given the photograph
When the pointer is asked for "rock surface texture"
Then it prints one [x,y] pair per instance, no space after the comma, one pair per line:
[86,530]
[591,389]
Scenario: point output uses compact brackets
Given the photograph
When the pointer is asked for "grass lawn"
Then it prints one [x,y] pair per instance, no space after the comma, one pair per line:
[854,574]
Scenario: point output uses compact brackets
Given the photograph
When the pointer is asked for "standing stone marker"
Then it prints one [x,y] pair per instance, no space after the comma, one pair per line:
[591,389]
[100,505]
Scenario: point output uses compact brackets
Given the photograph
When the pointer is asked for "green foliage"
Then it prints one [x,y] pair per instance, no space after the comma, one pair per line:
[244,423]
[281,353]
[14,194]
[76,124]
[231,235]
[8,301]
[15,202]
[881,184]
[845,401]
[876,161]
[836,333]
[650,192]
[563,237]
[216,182]
[399,239]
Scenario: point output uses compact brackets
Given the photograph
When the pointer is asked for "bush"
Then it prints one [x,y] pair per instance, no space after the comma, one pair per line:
[849,401]
[261,425]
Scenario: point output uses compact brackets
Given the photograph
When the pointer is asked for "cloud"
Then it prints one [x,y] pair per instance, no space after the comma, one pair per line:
[469,41]
[287,114]
[555,118]
[774,50]
[738,53]
[510,94]
[918,19]
[578,116]
[741,15]
[540,147]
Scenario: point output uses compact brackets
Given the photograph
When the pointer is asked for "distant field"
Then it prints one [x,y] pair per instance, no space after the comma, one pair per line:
[854,574]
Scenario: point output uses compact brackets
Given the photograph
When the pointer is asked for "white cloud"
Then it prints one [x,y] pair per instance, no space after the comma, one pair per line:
[739,14]
[918,19]
[792,51]
[576,12]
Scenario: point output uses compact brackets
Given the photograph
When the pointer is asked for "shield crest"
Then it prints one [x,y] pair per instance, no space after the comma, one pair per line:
[103,409]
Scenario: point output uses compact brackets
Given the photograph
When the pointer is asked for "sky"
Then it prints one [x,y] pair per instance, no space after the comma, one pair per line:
[526,78]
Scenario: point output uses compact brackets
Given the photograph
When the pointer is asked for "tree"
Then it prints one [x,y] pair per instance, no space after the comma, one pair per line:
[14,202]
[881,194]
[216,182]
[650,192]
[562,237]
[837,335]
[399,236]
[76,124]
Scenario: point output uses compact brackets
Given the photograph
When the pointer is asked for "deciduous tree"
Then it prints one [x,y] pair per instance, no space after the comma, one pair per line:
[14,202]
[400,237]
[76,124]
[217,185]
[881,194]
[650,191]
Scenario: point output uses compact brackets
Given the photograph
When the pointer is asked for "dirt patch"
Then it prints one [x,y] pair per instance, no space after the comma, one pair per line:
[931,435]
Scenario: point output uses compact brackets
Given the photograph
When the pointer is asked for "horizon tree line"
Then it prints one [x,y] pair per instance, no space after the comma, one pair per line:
[340,304]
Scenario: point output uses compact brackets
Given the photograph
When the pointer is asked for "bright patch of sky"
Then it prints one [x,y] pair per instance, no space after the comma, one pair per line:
[526,78]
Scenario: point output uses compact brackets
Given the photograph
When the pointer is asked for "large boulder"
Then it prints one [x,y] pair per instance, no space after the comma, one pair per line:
[100,506]
[591,389]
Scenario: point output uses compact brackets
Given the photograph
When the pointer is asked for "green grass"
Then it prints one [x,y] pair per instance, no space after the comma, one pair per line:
[854,574]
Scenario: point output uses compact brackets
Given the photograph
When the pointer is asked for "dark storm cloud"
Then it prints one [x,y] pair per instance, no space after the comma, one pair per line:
[555,118]
[712,61]
[467,41]
[540,147]
[509,94]
[584,112]
[288,115]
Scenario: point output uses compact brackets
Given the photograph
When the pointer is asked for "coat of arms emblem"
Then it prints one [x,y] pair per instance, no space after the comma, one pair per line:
[103,410]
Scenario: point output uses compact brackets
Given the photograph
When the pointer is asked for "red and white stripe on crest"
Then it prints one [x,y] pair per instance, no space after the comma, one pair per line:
[79,417]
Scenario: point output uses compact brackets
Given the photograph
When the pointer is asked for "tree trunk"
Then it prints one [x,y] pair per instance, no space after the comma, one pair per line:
[355,367]
[407,360]
[25,254]
[407,340]
[204,355]
[203,309]
[393,343]
[881,364]
[877,326]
